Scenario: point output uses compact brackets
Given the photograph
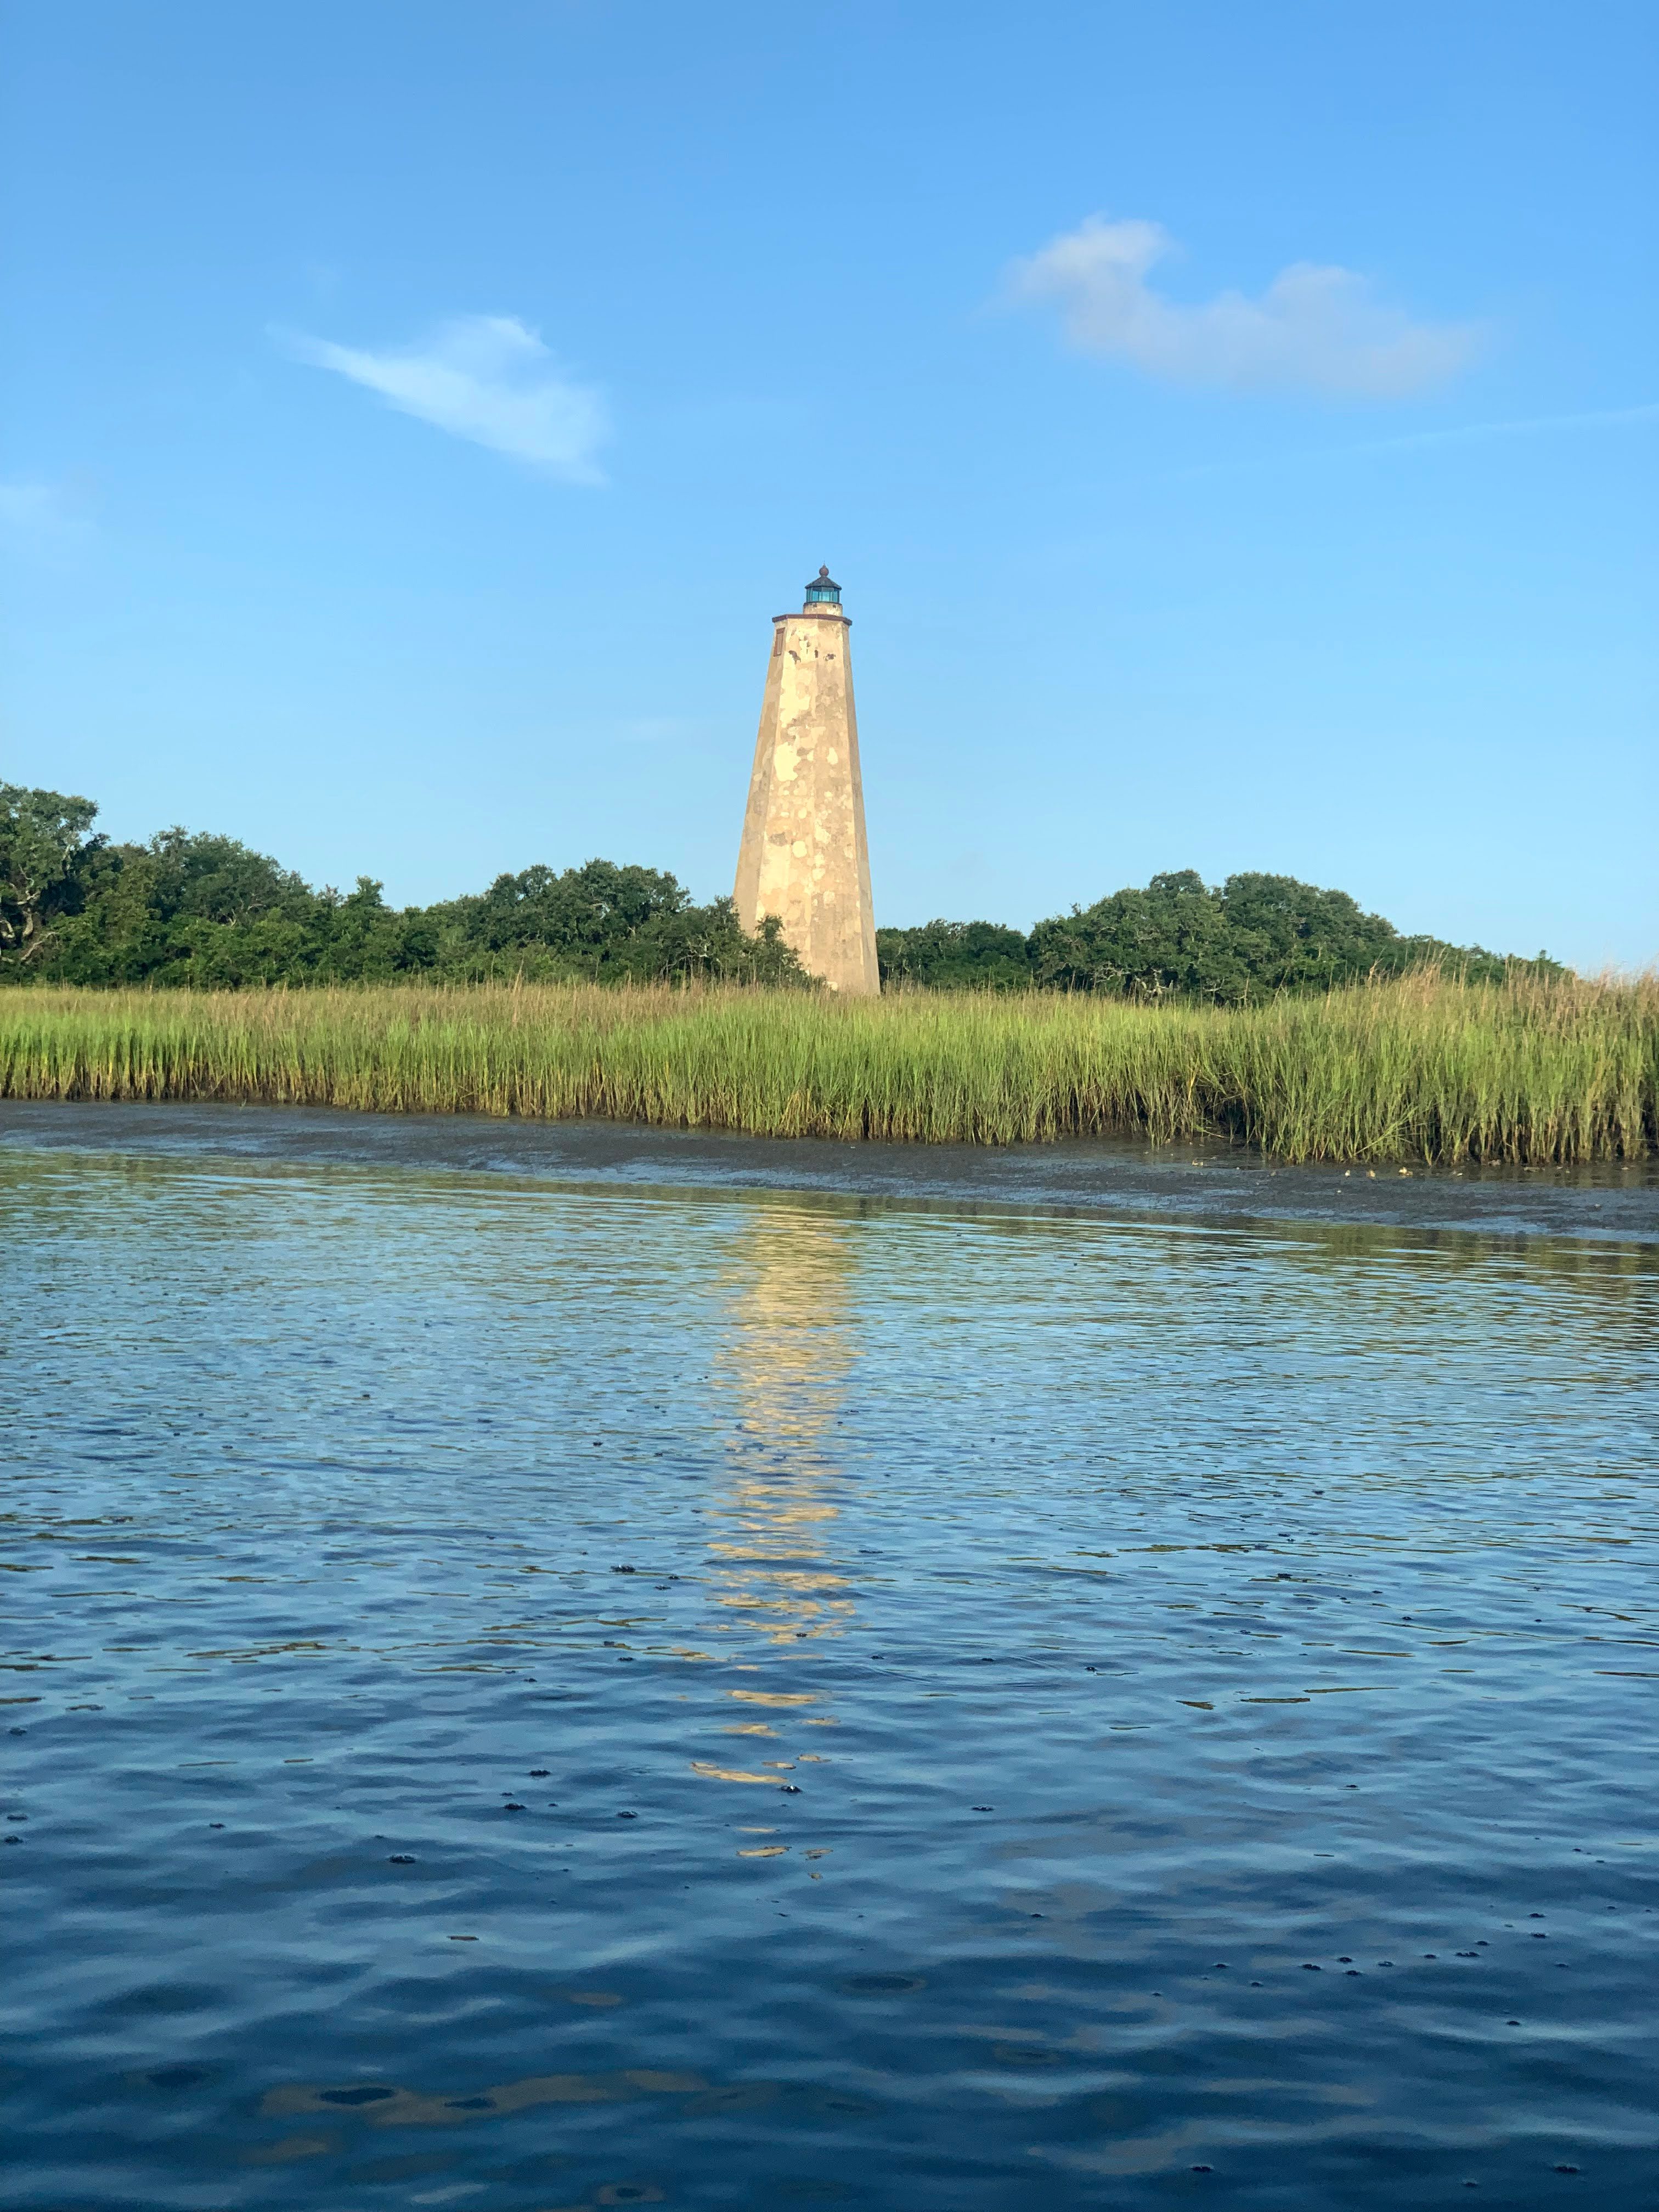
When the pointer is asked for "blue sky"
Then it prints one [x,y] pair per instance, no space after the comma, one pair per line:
[1235,430]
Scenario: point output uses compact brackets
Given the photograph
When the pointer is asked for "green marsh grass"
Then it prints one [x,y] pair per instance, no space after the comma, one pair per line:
[1418,1067]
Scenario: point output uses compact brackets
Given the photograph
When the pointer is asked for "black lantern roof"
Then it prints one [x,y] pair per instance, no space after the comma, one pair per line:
[824,591]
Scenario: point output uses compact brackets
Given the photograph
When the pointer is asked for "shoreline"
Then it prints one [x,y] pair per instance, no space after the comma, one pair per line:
[1122,1180]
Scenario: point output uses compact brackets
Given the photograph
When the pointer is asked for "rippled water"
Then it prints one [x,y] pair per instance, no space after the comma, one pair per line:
[530,1694]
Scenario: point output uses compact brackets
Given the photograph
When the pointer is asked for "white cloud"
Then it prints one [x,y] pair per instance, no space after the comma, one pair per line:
[487,378]
[1314,328]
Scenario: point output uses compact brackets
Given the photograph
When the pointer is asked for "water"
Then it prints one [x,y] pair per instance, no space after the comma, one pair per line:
[574,1678]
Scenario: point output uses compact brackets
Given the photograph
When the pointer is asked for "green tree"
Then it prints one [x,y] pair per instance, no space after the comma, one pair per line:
[608,923]
[1292,936]
[208,911]
[1172,937]
[955,955]
[188,908]
[44,846]
[1252,936]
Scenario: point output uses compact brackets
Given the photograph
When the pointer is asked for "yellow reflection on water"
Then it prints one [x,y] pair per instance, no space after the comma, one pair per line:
[787,1355]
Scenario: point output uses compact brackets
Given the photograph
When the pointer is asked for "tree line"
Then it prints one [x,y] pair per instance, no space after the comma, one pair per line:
[210,912]
[1249,937]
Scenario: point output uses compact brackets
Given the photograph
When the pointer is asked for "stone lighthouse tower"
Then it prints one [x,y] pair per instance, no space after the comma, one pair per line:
[804,856]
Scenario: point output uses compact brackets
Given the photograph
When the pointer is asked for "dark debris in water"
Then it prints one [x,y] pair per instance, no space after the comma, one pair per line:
[178,2077]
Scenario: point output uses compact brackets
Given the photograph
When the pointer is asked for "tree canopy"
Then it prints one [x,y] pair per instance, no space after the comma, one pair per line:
[199,909]
[208,911]
[1249,937]
[44,843]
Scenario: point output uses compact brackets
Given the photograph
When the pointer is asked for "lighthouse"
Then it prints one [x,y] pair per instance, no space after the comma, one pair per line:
[804,856]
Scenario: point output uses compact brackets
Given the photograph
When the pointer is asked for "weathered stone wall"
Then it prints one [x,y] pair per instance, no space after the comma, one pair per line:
[804,856]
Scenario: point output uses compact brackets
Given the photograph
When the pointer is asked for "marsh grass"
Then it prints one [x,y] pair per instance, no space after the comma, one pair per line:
[1422,1066]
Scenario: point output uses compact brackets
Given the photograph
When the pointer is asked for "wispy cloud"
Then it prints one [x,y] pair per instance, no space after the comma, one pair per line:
[1313,329]
[1456,434]
[487,378]
[1464,433]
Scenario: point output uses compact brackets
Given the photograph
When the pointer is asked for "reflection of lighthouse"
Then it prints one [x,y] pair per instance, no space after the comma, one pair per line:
[803,857]
[785,1361]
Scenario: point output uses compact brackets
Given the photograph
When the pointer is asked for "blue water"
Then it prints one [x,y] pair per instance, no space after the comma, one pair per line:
[534,1693]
